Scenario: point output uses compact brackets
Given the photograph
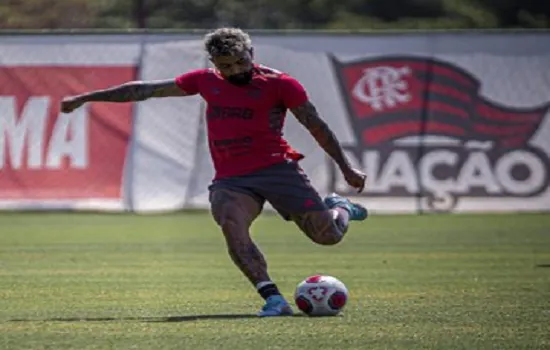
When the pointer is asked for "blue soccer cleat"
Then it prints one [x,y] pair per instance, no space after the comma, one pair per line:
[356,211]
[274,306]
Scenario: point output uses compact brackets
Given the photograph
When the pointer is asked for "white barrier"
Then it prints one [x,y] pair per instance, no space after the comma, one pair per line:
[440,123]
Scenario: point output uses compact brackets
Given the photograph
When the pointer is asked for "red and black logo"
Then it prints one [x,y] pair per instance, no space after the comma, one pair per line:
[423,129]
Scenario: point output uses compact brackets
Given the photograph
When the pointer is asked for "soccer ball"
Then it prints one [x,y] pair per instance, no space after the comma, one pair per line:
[321,295]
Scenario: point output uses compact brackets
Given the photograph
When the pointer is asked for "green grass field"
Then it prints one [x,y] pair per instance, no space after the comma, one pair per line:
[90,281]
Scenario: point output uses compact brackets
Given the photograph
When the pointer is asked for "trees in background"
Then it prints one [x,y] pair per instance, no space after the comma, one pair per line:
[275,14]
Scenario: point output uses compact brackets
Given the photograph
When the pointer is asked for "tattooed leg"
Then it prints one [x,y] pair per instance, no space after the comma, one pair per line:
[326,227]
[234,212]
[249,260]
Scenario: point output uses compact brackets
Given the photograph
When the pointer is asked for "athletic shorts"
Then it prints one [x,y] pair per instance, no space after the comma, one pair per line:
[285,186]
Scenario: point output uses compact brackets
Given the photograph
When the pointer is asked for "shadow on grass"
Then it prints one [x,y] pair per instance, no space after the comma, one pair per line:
[543,265]
[145,319]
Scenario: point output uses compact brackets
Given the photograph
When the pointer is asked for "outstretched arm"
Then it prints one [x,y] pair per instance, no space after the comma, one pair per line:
[307,115]
[135,91]
[131,91]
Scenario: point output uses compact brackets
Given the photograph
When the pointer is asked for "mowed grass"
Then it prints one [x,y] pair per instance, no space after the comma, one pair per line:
[91,281]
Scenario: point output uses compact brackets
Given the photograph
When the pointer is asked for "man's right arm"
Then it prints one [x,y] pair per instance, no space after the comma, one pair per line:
[127,92]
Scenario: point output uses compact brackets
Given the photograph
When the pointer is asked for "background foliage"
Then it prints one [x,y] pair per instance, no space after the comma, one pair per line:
[275,14]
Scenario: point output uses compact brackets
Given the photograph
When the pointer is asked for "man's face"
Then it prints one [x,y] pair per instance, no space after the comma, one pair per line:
[237,69]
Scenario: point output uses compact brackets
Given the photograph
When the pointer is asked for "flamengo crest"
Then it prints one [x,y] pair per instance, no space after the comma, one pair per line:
[382,87]
[423,130]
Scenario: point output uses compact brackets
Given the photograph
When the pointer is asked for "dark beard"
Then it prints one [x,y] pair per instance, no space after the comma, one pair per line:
[240,79]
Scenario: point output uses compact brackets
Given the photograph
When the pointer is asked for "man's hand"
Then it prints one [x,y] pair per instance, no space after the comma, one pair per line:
[355,178]
[69,104]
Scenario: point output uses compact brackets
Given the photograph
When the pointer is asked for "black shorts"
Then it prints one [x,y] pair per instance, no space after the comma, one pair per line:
[285,186]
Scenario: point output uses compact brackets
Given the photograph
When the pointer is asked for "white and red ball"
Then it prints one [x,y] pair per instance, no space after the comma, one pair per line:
[321,295]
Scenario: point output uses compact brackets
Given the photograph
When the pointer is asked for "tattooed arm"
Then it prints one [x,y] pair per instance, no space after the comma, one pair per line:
[136,91]
[131,91]
[307,115]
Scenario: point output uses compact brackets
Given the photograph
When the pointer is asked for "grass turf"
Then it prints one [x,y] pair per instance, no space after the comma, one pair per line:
[92,281]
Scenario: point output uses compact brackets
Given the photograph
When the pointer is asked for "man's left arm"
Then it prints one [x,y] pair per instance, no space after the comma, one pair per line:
[307,115]
[295,98]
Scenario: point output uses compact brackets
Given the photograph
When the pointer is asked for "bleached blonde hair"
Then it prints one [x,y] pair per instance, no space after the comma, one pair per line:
[227,42]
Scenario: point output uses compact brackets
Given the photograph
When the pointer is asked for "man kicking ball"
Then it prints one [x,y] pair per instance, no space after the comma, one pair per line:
[253,163]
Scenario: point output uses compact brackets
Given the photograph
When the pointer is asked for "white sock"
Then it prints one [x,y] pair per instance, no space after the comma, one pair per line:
[263,284]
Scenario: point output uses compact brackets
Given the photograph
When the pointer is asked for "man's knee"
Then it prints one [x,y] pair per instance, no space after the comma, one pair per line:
[232,223]
[332,237]
[233,210]
[320,227]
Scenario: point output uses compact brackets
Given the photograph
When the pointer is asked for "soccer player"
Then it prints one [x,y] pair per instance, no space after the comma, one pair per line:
[253,163]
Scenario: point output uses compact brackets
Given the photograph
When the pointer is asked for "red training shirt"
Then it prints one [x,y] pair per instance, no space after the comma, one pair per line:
[245,123]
